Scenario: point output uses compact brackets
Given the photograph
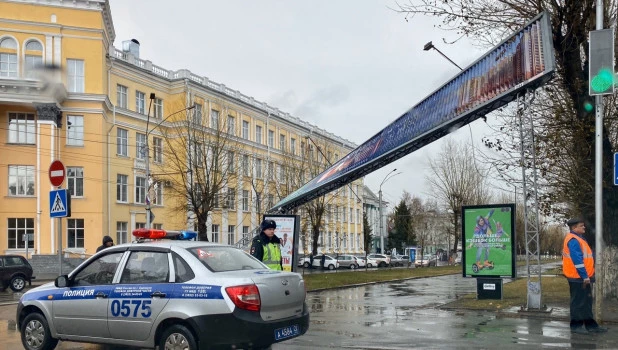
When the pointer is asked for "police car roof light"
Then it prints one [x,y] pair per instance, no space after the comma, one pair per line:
[144,233]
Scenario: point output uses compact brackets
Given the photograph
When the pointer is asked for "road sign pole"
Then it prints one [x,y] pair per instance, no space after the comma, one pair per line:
[59,223]
[598,186]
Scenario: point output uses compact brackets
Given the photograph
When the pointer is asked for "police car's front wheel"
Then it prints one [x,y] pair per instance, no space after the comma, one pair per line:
[35,334]
[177,337]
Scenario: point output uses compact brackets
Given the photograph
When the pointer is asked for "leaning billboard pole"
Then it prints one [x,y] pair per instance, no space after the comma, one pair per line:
[521,62]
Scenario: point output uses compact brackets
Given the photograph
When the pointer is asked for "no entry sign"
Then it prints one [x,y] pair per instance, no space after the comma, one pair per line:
[57,173]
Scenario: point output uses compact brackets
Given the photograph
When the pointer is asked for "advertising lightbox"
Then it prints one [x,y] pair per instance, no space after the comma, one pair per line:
[523,61]
[488,240]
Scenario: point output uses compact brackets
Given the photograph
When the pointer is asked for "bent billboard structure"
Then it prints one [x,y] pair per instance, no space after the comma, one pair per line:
[521,62]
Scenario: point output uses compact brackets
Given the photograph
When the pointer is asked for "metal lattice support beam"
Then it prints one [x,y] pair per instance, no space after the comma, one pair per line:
[531,200]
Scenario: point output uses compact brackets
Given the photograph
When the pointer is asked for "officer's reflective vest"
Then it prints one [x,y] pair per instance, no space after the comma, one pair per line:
[272,256]
[568,267]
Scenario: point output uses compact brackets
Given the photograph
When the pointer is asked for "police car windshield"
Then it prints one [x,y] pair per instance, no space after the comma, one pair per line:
[219,259]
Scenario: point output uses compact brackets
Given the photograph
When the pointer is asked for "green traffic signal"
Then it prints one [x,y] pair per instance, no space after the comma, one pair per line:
[588,107]
[603,81]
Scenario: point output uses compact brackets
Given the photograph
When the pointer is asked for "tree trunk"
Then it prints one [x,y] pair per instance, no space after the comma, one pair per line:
[202,230]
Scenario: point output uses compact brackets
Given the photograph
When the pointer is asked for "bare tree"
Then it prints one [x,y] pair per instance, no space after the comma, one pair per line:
[456,180]
[198,165]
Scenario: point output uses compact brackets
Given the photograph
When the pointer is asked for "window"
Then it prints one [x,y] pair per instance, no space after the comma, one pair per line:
[140,102]
[231,198]
[121,96]
[21,128]
[158,108]
[258,204]
[245,233]
[302,148]
[293,146]
[214,236]
[121,232]
[230,162]
[197,114]
[157,226]
[281,172]
[214,119]
[271,138]
[8,60]
[75,75]
[121,188]
[140,146]
[231,125]
[336,213]
[75,130]
[21,180]
[258,168]
[328,212]
[282,142]
[122,142]
[75,233]
[245,129]
[258,134]
[198,154]
[343,214]
[99,271]
[270,170]
[351,215]
[140,225]
[140,190]
[245,200]
[17,228]
[75,180]
[32,63]
[157,149]
[245,165]
[145,267]
[230,234]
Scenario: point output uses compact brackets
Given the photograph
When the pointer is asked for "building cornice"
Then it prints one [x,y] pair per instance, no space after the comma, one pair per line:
[93,5]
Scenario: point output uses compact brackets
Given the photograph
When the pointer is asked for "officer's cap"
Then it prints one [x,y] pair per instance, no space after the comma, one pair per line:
[574,221]
[266,224]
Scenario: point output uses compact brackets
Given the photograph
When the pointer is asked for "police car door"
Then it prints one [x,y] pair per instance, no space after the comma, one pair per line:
[81,308]
[142,293]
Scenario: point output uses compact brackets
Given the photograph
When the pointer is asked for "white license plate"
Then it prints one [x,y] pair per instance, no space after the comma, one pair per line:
[287,332]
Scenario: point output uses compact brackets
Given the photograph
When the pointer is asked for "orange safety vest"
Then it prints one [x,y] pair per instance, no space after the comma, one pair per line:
[568,268]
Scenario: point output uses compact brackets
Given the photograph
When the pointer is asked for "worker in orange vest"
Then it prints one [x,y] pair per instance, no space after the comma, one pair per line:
[578,268]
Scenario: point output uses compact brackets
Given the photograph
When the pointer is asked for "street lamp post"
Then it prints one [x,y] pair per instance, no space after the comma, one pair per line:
[147,151]
[430,46]
[380,209]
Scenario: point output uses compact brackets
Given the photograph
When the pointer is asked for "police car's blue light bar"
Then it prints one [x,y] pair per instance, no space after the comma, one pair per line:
[184,235]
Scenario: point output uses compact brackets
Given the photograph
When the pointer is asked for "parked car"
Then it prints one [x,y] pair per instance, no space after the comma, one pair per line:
[174,294]
[329,262]
[350,261]
[399,260]
[378,260]
[15,271]
[458,259]
[425,260]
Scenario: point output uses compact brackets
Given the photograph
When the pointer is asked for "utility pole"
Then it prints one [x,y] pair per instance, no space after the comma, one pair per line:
[380,208]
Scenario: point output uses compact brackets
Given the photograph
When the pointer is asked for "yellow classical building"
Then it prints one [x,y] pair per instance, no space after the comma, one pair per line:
[114,118]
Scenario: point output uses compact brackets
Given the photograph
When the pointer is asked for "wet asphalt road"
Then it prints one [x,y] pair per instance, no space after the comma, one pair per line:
[406,315]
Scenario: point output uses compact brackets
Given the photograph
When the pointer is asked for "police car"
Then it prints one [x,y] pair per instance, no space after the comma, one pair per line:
[169,293]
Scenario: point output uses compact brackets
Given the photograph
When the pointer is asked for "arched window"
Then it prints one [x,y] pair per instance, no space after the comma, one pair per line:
[8,43]
[8,57]
[33,58]
[34,45]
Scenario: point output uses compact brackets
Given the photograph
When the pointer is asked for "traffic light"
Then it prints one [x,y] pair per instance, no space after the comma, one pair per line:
[601,68]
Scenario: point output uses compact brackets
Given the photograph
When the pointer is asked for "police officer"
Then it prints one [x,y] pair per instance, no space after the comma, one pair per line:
[266,247]
[578,268]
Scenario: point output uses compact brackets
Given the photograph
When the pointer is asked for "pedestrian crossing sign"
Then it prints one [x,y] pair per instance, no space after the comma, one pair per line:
[59,203]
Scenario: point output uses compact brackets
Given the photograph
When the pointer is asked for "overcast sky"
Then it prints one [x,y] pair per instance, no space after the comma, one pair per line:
[347,66]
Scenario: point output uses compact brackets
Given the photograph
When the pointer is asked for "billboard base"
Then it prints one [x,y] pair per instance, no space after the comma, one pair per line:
[489,288]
